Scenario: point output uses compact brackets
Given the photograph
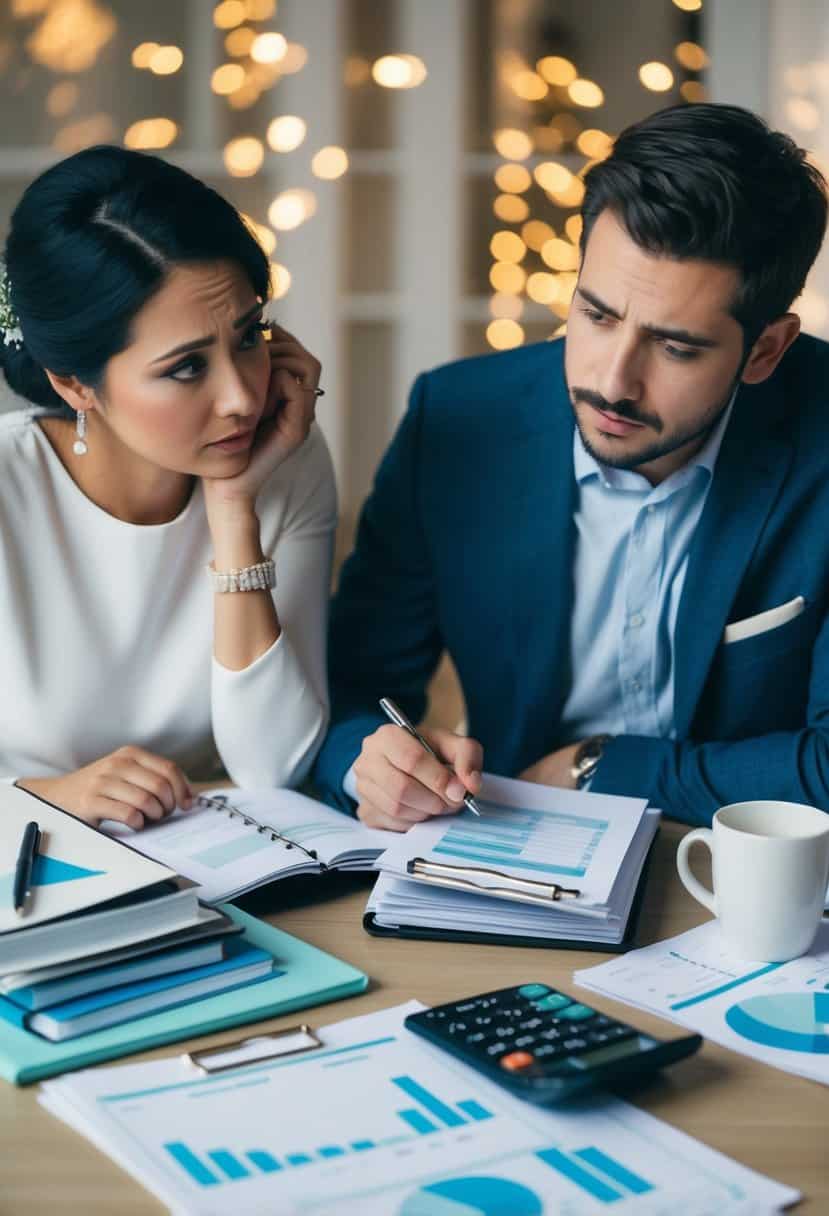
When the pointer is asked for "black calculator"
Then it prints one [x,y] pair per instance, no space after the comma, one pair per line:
[543,1045]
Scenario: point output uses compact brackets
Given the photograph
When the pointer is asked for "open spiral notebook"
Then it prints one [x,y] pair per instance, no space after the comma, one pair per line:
[233,841]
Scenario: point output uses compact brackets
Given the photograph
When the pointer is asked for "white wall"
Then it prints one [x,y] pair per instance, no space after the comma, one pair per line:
[772,56]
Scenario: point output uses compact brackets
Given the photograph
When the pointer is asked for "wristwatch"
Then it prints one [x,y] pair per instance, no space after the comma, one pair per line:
[586,759]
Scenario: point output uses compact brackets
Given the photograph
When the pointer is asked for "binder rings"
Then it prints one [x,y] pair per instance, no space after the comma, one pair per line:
[231,843]
[418,933]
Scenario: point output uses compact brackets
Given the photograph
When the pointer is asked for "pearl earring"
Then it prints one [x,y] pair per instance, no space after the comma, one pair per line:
[79,446]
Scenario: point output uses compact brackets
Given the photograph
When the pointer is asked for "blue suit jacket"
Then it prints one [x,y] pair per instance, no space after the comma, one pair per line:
[466,544]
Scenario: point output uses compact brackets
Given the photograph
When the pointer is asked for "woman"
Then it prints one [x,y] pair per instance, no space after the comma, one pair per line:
[169,472]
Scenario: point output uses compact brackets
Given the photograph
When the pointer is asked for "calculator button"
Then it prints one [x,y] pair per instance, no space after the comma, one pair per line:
[477,1037]
[504,1032]
[548,1051]
[533,991]
[482,1020]
[552,1035]
[615,1033]
[525,1040]
[456,1028]
[496,1049]
[531,1024]
[466,1007]
[574,1044]
[556,1000]
[516,1060]
[577,1013]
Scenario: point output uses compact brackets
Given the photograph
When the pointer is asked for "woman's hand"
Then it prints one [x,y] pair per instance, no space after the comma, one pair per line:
[283,427]
[130,785]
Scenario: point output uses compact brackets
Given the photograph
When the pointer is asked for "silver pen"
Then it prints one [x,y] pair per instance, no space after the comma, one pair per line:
[396,715]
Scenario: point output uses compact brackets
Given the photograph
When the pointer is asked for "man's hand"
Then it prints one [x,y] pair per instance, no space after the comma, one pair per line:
[554,769]
[400,784]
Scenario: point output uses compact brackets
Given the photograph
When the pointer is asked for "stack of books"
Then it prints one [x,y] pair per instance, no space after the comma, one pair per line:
[104,935]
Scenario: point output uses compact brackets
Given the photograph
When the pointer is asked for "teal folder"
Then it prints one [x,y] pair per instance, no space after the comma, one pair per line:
[310,977]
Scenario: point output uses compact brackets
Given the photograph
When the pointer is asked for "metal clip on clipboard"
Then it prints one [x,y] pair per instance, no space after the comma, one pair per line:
[523,890]
[236,1054]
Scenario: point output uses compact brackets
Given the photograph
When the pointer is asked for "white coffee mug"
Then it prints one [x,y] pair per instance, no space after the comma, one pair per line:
[770,869]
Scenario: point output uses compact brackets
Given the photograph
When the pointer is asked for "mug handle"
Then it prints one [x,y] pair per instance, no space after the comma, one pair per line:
[692,884]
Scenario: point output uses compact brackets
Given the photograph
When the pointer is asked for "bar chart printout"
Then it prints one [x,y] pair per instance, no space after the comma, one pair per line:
[430,1114]
[376,1124]
[512,838]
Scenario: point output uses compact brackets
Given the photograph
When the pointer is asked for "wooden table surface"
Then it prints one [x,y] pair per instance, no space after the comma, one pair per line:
[766,1119]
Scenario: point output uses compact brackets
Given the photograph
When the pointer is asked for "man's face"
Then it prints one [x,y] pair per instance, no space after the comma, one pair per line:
[652,351]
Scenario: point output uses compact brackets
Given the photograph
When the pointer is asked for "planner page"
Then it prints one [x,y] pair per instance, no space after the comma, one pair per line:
[213,845]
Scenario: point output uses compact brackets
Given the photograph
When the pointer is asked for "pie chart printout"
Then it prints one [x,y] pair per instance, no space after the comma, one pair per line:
[796,1021]
[474,1196]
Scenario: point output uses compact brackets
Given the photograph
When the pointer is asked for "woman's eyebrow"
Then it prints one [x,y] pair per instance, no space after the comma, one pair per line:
[197,343]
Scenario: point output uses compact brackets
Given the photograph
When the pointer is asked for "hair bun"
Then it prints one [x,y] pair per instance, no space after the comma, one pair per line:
[26,377]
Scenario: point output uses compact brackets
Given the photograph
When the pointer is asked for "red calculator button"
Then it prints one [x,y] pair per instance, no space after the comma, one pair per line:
[517,1060]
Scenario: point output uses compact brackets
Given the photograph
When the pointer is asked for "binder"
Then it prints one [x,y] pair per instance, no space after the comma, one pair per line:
[307,838]
[310,977]
[553,895]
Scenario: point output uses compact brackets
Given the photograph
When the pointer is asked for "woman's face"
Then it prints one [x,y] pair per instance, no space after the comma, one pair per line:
[189,390]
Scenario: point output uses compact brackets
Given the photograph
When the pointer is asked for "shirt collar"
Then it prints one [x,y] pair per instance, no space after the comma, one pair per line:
[586,466]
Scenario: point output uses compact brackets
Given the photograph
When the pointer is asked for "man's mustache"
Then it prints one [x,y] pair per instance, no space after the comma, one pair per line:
[622,409]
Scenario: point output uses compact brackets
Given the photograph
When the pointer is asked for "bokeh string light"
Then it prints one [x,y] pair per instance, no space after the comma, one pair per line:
[539,178]
[552,133]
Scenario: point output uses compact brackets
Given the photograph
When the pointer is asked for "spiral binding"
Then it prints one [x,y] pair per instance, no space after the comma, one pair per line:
[221,803]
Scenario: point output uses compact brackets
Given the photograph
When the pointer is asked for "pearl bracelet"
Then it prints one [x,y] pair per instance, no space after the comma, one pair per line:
[260,577]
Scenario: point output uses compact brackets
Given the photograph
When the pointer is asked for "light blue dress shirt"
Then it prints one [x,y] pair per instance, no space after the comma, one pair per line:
[631,557]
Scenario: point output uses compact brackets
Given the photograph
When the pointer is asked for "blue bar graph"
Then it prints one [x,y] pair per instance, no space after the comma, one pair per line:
[434,1105]
[582,1177]
[625,1177]
[228,1164]
[418,1121]
[266,1163]
[431,1115]
[190,1162]
[542,867]
[502,835]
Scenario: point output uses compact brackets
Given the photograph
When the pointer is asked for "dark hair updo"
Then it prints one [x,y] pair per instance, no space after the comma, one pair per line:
[91,240]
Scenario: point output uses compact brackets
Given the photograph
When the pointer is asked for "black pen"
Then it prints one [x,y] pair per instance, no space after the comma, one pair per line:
[396,715]
[25,861]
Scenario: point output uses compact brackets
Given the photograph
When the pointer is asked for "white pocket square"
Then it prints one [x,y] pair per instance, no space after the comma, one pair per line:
[764,621]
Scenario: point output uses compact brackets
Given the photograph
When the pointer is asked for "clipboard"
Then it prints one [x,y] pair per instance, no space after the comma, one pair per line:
[422,933]
[310,977]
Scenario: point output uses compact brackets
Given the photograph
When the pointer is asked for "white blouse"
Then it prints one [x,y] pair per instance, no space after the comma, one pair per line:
[106,628]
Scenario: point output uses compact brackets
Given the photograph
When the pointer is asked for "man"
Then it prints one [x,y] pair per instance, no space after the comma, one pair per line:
[636,602]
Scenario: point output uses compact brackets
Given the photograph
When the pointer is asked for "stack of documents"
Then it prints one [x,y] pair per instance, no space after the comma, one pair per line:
[503,873]
[105,935]
[231,843]
[376,1121]
[774,1012]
